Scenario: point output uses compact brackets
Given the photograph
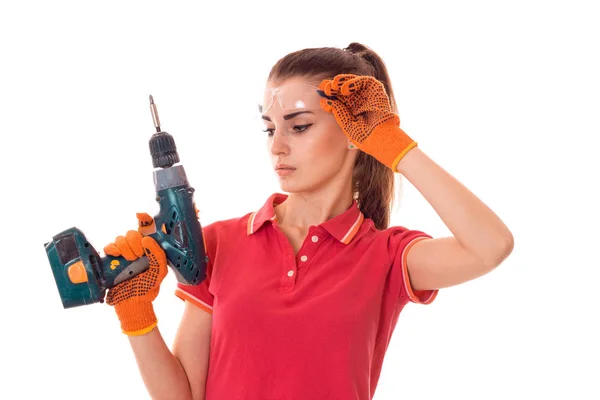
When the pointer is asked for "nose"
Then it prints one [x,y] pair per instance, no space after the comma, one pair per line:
[278,143]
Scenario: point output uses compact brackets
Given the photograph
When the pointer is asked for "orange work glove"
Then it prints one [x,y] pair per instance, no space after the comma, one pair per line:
[362,109]
[133,298]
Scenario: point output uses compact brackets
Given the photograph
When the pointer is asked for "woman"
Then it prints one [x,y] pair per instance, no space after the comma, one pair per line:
[306,291]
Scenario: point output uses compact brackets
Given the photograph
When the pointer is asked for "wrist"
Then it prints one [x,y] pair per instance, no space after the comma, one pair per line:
[388,143]
[395,165]
[409,158]
[136,317]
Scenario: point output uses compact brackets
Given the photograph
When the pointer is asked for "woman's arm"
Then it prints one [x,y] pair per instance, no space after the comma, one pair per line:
[182,373]
[192,347]
[480,240]
[161,371]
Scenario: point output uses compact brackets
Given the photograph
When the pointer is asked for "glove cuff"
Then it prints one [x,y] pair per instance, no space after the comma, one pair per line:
[388,143]
[136,317]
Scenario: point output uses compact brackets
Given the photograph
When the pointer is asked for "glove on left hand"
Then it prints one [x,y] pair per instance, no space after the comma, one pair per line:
[362,109]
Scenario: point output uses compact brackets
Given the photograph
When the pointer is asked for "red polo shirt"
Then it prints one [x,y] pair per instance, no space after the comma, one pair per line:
[312,326]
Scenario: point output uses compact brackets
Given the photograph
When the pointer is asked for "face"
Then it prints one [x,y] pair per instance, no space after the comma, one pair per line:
[308,149]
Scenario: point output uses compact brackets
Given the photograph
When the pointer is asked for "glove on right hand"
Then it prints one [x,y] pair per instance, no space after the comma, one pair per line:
[133,298]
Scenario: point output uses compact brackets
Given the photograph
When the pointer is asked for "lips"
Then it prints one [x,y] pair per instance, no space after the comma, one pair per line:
[284,170]
[284,167]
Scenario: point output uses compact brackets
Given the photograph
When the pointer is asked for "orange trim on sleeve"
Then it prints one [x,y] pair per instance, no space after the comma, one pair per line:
[407,285]
[185,296]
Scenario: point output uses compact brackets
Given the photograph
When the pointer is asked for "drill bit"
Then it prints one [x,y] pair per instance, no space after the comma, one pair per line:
[154,114]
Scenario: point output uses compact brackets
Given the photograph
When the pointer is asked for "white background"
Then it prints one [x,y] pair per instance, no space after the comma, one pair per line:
[504,95]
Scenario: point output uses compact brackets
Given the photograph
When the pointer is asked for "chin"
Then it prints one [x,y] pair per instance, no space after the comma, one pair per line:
[295,185]
[290,187]
[290,184]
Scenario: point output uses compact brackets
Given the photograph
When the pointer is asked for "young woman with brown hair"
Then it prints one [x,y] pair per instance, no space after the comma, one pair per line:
[302,295]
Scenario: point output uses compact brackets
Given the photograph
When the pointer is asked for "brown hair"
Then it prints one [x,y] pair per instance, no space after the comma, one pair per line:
[372,181]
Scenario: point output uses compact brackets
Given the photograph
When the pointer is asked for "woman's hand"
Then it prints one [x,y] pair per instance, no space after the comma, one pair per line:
[133,298]
[362,109]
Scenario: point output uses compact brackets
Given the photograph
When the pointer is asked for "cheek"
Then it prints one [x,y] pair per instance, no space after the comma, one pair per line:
[321,156]
[328,141]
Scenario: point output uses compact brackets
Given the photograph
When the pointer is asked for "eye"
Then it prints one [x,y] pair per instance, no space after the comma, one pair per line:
[301,128]
[269,131]
[296,128]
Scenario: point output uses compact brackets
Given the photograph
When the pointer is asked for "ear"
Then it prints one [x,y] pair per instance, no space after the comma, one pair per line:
[351,145]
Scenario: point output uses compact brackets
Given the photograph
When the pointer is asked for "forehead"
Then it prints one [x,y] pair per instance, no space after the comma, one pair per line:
[295,80]
[290,88]
[289,94]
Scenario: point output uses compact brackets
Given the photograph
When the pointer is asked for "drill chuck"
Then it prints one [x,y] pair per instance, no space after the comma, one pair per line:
[163,150]
[162,145]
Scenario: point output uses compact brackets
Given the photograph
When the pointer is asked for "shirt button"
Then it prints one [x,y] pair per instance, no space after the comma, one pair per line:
[315,239]
[303,258]
[290,273]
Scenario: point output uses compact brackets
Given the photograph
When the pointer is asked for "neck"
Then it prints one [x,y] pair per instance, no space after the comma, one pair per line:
[302,210]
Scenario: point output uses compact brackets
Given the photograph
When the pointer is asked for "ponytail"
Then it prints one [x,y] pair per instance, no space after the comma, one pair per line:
[372,181]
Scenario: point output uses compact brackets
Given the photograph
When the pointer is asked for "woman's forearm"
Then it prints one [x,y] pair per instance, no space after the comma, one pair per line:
[161,371]
[476,227]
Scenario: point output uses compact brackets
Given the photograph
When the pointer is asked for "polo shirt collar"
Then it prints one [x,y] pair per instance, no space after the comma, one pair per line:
[343,227]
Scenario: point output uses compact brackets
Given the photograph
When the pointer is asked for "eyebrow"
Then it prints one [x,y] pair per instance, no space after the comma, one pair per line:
[289,116]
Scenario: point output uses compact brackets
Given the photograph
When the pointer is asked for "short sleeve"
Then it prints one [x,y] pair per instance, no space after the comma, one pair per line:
[200,295]
[400,242]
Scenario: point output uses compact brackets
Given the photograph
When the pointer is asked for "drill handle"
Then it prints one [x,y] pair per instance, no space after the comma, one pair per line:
[118,269]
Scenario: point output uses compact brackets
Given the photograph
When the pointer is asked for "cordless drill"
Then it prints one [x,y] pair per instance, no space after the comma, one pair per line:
[83,277]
